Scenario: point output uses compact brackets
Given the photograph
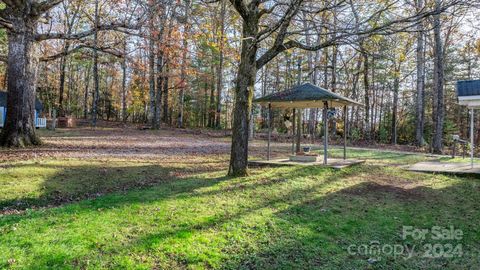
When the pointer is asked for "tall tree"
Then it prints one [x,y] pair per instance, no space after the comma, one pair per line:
[124,81]
[183,71]
[96,80]
[278,23]
[420,83]
[438,83]
[152,34]
[221,46]
[20,19]
[71,12]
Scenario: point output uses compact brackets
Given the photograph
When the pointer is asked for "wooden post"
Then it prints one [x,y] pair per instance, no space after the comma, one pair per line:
[54,121]
[299,131]
[269,129]
[454,152]
[345,117]
[293,131]
[325,135]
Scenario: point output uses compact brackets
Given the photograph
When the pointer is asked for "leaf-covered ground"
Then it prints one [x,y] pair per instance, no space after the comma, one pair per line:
[130,199]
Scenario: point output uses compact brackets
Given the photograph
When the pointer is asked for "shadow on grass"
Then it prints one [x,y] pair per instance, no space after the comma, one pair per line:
[72,183]
[318,231]
[314,224]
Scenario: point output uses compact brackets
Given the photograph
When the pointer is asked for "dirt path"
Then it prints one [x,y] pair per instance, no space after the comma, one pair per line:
[119,143]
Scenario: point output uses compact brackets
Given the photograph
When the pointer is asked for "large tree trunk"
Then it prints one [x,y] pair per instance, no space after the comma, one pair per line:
[19,130]
[420,97]
[96,82]
[438,85]
[244,89]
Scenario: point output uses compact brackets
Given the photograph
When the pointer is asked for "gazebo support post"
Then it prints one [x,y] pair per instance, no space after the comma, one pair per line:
[293,130]
[472,139]
[325,134]
[269,129]
[298,148]
[345,132]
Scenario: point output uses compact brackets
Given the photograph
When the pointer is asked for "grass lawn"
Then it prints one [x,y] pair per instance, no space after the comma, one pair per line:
[111,213]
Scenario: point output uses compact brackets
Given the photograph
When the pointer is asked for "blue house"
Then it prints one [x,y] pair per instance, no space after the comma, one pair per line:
[39,122]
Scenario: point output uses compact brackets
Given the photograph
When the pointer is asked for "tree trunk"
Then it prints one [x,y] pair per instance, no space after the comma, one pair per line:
[264,109]
[396,86]
[366,85]
[165,92]
[85,97]
[244,89]
[420,97]
[183,69]
[220,66]
[313,79]
[212,104]
[438,83]
[159,94]
[96,82]
[19,130]
[356,77]
[151,71]
[124,84]
[373,101]
[63,65]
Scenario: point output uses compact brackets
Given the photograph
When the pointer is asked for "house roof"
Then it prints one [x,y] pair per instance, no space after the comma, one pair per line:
[306,96]
[468,93]
[3,101]
[468,88]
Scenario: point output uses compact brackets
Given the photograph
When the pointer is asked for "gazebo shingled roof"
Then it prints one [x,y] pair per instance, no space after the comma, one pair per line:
[306,96]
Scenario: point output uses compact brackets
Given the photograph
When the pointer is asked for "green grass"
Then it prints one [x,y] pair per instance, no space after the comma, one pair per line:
[378,157]
[459,159]
[281,218]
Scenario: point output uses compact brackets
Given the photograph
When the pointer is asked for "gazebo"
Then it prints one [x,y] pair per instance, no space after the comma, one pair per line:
[303,97]
[468,93]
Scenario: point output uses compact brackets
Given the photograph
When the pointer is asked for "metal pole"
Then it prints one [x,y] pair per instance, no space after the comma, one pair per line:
[345,132]
[269,129]
[472,123]
[325,135]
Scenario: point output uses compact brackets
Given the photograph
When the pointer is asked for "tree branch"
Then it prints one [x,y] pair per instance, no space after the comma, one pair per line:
[280,46]
[108,27]
[241,8]
[107,50]
[38,8]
